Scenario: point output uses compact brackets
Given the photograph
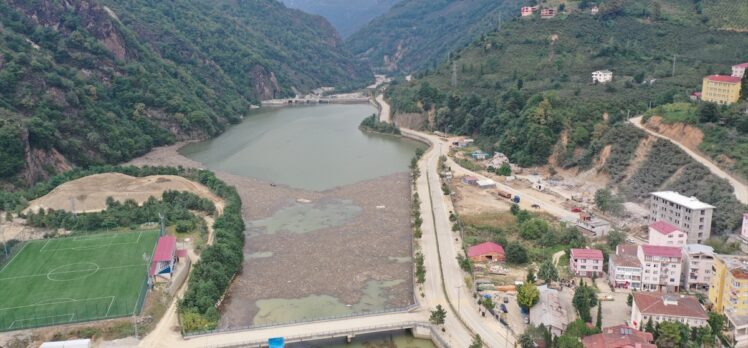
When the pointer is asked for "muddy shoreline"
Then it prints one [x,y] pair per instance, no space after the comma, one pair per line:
[337,259]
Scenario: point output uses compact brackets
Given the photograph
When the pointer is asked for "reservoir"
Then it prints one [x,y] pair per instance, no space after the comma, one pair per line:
[315,147]
[327,214]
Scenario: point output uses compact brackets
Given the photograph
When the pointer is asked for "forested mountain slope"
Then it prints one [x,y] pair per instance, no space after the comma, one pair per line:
[526,91]
[346,15]
[418,34]
[99,81]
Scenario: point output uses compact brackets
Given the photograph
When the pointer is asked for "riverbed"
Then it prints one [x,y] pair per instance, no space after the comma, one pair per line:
[327,213]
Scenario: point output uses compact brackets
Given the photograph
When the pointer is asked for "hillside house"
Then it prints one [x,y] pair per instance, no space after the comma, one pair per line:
[721,89]
[586,262]
[462,142]
[594,10]
[528,11]
[739,70]
[593,225]
[663,233]
[620,336]
[479,155]
[486,252]
[667,307]
[547,13]
[695,96]
[602,76]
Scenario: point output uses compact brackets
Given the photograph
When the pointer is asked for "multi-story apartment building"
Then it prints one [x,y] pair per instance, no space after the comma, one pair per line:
[661,267]
[624,268]
[697,267]
[586,262]
[663,233]
[687,213]
[728,293]
[720,89]
[666,307]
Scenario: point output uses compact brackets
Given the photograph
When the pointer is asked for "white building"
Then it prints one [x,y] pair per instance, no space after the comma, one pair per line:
[596,226]
[666,307]
[689,214]
[624,268]
[602,76]
[697,267]
[739,70]
[661,267]
[663,233]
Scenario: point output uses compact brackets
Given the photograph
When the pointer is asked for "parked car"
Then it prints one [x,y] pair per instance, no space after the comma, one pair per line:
[576,210]
[536,206]
[503,308]
[506,299]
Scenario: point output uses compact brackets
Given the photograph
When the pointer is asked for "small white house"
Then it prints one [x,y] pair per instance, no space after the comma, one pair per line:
[602,76]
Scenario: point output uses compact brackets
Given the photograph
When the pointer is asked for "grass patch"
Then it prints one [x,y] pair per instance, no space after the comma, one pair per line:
[676,113]
[74,279]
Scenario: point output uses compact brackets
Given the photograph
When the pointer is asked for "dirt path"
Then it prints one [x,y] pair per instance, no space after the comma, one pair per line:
[740,190]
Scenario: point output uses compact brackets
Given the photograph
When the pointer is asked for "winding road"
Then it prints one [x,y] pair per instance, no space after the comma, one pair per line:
[740,190]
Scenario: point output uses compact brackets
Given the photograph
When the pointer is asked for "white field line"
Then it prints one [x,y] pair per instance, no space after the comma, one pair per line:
[14,257]
[110,307]
[45,245]
[58,302]
[13,323]
[76,271]
[94,246]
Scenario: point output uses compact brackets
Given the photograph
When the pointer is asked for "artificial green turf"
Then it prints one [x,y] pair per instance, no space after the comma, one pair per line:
[73,279]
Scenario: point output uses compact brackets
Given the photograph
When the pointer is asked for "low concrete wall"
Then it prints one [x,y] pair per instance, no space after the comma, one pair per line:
[180,276]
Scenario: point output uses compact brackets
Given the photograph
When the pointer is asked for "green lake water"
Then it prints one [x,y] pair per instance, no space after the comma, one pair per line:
[310,147]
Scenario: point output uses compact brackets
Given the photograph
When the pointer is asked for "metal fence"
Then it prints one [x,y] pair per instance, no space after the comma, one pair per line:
[188,335]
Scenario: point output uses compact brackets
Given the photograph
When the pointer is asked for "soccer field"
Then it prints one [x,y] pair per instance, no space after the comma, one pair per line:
[74,279]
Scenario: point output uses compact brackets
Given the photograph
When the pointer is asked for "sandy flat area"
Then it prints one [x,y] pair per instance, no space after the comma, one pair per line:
[89,194]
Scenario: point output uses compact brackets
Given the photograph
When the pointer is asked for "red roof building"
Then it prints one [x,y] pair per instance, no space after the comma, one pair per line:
[548,13]
[667,307]
[586,262]
[620,336]
[486,252]
[660,251]
[162,263]
[723,78]
[663,233]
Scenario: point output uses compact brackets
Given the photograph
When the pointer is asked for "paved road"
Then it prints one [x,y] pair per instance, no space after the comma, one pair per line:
[384,110]
[460,296]
[740,190]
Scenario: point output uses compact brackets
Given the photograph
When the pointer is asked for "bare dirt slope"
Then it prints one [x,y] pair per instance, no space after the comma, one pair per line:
[690,136]
[90,193]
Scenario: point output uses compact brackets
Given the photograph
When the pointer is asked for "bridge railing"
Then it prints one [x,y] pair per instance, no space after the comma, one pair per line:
[438,340]
[188,335]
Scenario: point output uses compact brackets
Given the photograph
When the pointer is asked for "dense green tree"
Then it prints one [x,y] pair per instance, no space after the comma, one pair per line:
[530,278]
[516,254]
[615,237]
[744,87]
[583,300]
[548,272]
[526,341]
[606,201]
[669,335]
[533,229]
[527,295]
[599,319]
[438,315]
[504,170]
[708,112]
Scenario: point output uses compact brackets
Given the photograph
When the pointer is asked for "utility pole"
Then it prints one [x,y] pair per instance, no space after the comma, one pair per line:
[674,64]
[454,74]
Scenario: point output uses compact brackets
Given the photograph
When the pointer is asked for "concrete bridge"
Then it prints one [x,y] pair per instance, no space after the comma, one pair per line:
[347,328]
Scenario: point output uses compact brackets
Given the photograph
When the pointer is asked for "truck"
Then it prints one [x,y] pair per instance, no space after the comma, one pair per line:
[516,199]
[505,194]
